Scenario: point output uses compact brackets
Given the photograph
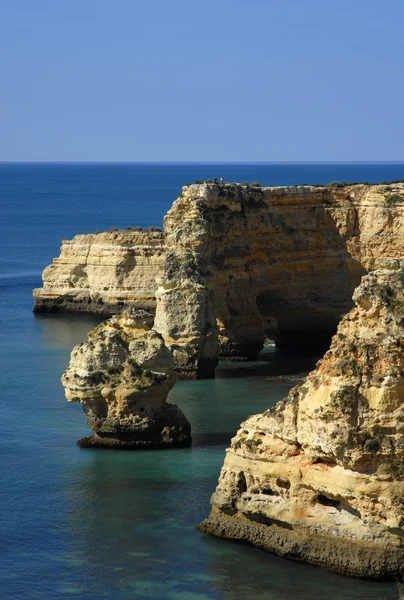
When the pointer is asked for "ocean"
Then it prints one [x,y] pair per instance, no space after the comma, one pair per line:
[81,524]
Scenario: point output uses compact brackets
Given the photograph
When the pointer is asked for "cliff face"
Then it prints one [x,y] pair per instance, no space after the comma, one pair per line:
[122,376]
[320,477]
[102,273]
[185,320]
[236,264]
[284,261]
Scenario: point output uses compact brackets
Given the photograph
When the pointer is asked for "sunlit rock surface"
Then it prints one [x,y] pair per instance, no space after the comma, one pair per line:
[122,376]
[269,261]
[103,273]
[320,477]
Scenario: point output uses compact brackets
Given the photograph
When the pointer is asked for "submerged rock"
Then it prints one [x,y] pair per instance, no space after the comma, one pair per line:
[122,376]
[320,476]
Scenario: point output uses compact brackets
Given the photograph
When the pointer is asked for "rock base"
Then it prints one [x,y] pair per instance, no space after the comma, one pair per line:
[231,351]
[369,560]
[181,440]
[87,305]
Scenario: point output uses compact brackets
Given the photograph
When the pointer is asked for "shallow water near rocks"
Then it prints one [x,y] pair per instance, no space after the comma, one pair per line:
[82,524]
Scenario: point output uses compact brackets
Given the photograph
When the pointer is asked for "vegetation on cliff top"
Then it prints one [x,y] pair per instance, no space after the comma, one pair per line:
[331,184]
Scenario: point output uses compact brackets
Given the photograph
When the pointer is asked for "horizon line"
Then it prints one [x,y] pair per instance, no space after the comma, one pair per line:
[283,162]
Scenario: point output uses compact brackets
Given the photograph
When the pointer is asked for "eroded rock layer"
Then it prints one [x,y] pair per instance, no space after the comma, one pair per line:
[320,476]
[122,376]
[103,273]
[275,261]
[283,261]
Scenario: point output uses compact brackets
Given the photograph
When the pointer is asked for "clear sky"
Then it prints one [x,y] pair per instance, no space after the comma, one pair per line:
[213,80]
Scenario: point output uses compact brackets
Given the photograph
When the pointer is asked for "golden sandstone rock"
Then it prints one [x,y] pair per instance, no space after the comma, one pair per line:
[103,272]
[320,476]
[122,376]
[280,262]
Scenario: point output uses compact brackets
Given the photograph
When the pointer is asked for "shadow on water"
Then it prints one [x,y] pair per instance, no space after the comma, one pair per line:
[211,439]
[273,362]
[59,331]
[131,521]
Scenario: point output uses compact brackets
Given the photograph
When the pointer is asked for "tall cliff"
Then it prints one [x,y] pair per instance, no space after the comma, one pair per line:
[284,261]
[320,477]
[237,263]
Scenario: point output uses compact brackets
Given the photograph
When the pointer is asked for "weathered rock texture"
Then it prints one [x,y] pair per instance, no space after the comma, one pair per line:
[320,476]
[184,316]
[122,376]
[102,273]
[284,261]
[236,264]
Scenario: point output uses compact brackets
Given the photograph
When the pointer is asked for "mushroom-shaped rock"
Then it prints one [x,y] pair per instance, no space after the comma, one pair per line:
[122,376]
[320,476]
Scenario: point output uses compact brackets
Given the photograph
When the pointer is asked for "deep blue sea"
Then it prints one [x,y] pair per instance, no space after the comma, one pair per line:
[96,524]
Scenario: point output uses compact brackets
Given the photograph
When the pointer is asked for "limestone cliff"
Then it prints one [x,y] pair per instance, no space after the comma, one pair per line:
[276,261]
[122,376]
[284,261]
[320,476]
[104,272]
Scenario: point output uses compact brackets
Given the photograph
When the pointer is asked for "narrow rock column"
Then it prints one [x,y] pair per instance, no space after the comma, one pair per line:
[184,319]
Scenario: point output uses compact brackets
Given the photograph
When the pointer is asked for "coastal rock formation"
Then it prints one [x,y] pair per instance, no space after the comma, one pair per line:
[103,272]
[320,476]
[272,261]
[122,376]
[184,316]
[283,262]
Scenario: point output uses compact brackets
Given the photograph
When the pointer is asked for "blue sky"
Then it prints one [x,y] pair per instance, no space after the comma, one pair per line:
[223,80]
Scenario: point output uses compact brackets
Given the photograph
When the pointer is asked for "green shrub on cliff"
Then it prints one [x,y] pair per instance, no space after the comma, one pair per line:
[392,199]
[342,184]
[372,445]
[336,184]
[345,397]
[184,266]
[388,296]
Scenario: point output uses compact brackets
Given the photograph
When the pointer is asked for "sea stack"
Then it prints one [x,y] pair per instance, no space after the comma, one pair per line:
[320,476]
[122,376]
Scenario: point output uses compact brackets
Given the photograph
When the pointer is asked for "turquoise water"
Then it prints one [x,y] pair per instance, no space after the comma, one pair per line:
[83,524]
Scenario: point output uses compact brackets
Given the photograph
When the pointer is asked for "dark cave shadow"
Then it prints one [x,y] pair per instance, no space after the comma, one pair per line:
[212,439]
[302,307]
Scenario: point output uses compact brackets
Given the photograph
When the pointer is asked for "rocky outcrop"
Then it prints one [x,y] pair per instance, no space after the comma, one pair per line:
[103,273]
[320,477]
[122,376]
[284,261]
[184,316]
[237,263]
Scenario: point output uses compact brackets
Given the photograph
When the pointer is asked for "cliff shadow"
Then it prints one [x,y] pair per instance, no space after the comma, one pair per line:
[302,298]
